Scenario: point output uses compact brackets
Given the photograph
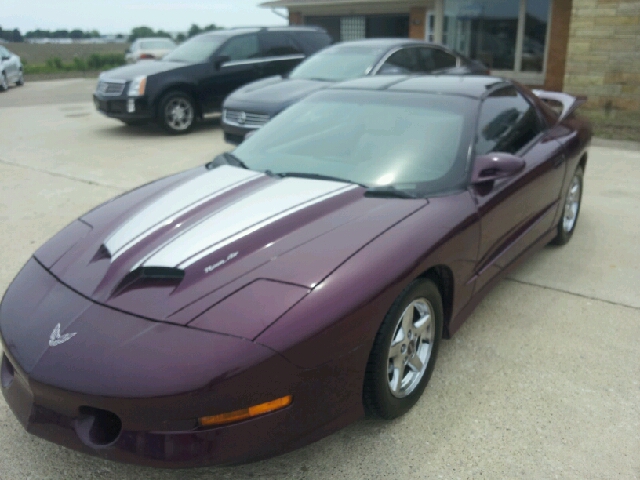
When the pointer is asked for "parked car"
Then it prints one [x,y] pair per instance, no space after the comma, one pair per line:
[250,306]
[250,107]
[11,69]
[194,79]
[149,49]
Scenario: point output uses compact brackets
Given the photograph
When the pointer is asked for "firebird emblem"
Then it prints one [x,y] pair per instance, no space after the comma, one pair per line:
[55,338]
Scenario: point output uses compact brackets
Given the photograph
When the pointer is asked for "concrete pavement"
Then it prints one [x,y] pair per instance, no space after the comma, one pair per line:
[542,382]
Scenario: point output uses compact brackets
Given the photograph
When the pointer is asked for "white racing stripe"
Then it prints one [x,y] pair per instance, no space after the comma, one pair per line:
[256,211]
[176,202]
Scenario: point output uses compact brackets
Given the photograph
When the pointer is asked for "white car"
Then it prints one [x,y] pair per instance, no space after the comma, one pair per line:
[149,49]
[11,70]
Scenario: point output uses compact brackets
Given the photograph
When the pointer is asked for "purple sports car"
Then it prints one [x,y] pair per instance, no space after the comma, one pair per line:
[253,305]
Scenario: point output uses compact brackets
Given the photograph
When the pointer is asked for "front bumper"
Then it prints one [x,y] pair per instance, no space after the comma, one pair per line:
[123,107]
[137,398]
[235,134]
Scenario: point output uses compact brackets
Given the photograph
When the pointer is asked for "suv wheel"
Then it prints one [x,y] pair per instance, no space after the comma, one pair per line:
[177,112]
[20,80]
[4,84]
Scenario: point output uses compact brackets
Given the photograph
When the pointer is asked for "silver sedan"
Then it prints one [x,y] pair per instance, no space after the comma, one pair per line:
[11,70]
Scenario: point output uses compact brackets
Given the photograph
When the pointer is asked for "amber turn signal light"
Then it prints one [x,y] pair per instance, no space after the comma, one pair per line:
[246,413]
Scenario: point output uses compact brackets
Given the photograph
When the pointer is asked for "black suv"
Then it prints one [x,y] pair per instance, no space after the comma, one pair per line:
[195,78]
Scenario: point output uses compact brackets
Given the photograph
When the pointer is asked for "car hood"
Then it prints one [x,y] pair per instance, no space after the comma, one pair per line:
[272,95]
[143,67]
[248,244]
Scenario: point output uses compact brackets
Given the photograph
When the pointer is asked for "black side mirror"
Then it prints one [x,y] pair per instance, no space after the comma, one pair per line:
[220,60]
[494,166]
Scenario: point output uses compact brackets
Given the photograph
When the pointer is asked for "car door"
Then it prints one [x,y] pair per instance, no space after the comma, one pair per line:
[243,65]
[515,211]
[281,53]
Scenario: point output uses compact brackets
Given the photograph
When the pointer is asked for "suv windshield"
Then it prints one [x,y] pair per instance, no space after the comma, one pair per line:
[413,142]
[196,50]
[341,62]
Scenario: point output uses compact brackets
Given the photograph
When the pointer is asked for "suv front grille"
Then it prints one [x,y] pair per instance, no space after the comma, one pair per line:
[245,119]
[110,88]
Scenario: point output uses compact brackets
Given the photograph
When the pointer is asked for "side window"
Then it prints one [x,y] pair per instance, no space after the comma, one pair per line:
[443,59]
[276,44]
[404,60]
[507,123]
[313,41]
[431,59]
[241,48]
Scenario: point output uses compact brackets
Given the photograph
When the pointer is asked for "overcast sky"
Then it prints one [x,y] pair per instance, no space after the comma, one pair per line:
[120,16]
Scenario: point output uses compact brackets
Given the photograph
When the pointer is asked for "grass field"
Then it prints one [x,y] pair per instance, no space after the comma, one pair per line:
[38,54]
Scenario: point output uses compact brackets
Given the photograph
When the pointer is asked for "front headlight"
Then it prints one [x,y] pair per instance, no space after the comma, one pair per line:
[137,86]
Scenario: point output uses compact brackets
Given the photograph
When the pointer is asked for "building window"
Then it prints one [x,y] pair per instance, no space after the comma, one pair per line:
[536,24]
[368,26]
[353,28]
[505,35]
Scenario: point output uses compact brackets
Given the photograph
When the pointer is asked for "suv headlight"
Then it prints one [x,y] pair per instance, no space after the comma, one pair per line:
[137,86]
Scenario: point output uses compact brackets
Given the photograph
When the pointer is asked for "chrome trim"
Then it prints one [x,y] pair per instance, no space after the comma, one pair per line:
[251,120]
[110,88]
[256,61]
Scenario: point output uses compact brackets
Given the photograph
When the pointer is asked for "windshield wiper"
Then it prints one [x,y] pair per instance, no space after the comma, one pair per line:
[226,158]
[313,176]
[388,192]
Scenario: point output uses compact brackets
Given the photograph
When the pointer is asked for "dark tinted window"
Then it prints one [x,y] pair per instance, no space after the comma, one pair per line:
[241,48]
[312,41]
[275,44]
[443,59]
[430,59]
[404,60]
[507,123]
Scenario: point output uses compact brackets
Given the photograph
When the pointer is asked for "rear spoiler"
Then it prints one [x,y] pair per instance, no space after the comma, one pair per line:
[569,102]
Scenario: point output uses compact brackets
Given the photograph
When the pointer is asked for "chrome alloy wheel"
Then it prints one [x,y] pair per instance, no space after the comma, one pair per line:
[572,204]
[179,114]
[410,349]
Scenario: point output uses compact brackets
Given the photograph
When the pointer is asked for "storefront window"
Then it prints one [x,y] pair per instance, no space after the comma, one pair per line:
[484,30]
[535,35]
[352,28]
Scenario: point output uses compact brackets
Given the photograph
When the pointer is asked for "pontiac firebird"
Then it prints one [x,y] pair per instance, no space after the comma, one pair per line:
[256,304]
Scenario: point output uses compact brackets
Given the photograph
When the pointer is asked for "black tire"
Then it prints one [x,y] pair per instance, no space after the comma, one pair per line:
[134,123]
[4,83]
[377,393]
[565,231]
[166,112]
[20,81]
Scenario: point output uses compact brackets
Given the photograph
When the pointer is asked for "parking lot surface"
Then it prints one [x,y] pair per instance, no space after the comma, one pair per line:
[542,382]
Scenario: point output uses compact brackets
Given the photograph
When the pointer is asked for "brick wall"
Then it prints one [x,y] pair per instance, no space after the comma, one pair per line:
[416,22]
[295,18]
[603,55]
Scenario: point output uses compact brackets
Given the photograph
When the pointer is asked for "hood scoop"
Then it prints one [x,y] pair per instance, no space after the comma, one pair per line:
[143,277]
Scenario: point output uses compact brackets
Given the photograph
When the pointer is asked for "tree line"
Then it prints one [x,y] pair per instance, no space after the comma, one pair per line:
[138,32]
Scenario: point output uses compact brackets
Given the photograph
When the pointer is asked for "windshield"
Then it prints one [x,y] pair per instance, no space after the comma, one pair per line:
[196,50]
[341,62]
[414,142]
